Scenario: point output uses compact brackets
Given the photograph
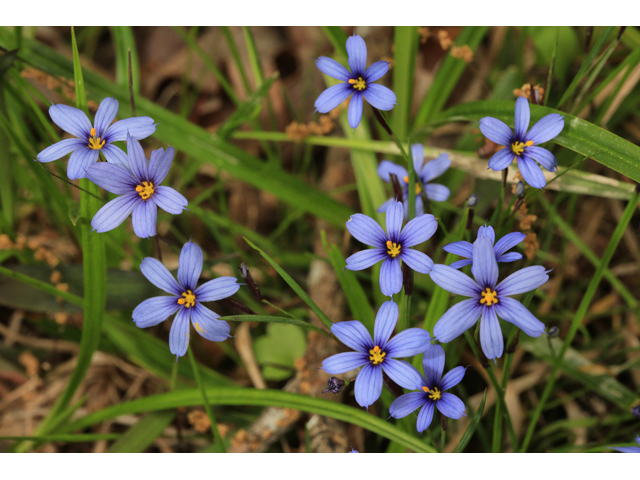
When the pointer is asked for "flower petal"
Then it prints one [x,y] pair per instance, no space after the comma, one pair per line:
[436,192]
[158,274]
[491,334]
[523,281]
[145,218]
[543,156]
[452,378]
[425,416]
[416,260]
[357,52]
[460,264]
[514,312]
[159,164]
[217,289]
[385,323]
[365,259]
[116,156]
[417,153]
[366,230]
[114,212]
[106,113]
[190,265]
[387,167]
[509,257]
[60,149]
[418,230]
[368,385]
[394,218]
[330,67]
[485,267]
[408,343]
[384,207]
[376,71]
[137,159]
[507,242]
[207,324]
[380,97]
[450,406]
[457,320]
[462,248]
[501,159]
[179,334]
[112,178]
[332,97]
[545,129]
[433,365]
[522,116]
[454,281]
[496,130]
[390,276]
[169,200]
[344,362]
[403,373]
[353,334]
[154,310]
[434,168]
[626,449]
[531,172]
[138,127]
[406,404]
[487,231]
[72,120]
[354,115]
[80,160]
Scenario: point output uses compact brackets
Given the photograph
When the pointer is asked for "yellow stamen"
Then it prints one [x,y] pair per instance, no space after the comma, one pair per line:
[489,297]
[518,147]
[188,300]
[95,143]
[418,187]
[377,356]
[145,190]
[358,84]
[394,249]
[435,393]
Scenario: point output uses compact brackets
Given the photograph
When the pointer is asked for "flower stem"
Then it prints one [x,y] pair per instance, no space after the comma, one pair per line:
[207,407]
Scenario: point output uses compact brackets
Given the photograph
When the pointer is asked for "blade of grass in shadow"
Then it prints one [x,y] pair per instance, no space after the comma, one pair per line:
[468,433]
[141,435]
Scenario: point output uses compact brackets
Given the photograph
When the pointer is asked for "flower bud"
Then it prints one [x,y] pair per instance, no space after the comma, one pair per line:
[520,189]
[335,385]
[472,201]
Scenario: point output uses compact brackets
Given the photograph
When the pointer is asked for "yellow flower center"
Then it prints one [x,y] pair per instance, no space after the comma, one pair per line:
[95,143]
[377,356]
[418,188]
[188,299]
[489,297]
[435,393]
[145,190]
[393,249]
[518,147]
[358,84]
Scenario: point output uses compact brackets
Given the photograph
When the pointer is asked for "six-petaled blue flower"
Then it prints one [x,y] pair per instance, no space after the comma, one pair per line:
[357,82]
[521,145]
[378,354]
[393,246]
[91,140]
[628,449]
[138,184]
[185,299]
[488,300]
[433,392]
[426,171]
[465,249]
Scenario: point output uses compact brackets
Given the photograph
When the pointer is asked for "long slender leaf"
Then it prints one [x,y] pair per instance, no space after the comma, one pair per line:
[138,438]
[468,433]
[269,319]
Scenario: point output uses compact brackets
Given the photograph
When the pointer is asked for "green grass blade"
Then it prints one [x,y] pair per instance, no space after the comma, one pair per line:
[124,41]
[468,433]
[261,398]
[406,46]
[270,319]
[139,437]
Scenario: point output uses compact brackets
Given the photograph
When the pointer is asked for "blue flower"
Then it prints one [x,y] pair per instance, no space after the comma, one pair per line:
[465,249]
[358,82]
[91,140]
[488,300]
[138,184]
[391,247]
[628,449]
[185,299]
[433,394]
[378,354]
[520,146]
[426,172]
[353,450]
